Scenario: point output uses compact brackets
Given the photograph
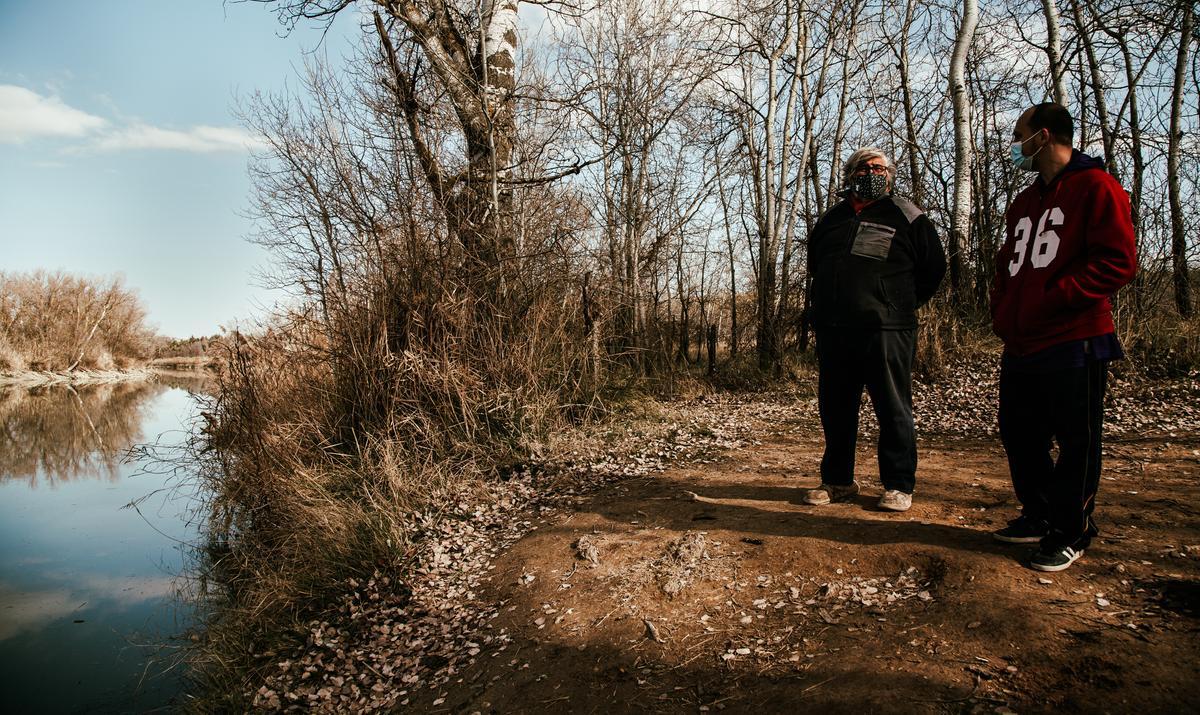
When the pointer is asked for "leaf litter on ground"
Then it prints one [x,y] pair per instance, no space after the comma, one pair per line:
[395,634]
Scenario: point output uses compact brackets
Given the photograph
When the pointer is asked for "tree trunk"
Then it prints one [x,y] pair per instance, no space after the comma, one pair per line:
[960,97]
[478,75]
[917,189]
[1179,263]
[712,350]
[839,133]
[590,332]
[1054,52]
[1136,148]
[91,333]
[1097,82]
[773,181]
[811,105]
[733,341]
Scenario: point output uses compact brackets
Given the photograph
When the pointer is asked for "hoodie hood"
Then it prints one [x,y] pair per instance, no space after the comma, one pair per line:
[1079,162]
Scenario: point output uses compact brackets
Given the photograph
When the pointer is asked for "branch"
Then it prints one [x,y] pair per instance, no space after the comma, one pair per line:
[539,180]
[88,339]
[406,96]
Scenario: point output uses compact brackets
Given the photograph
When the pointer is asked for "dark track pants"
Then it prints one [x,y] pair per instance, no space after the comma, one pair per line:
[849,359]
[1067,406]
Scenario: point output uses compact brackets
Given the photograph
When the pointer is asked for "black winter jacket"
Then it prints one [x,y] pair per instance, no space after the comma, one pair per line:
[875,268]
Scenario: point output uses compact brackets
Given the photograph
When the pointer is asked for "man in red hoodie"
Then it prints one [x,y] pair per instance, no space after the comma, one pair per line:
[1069,246]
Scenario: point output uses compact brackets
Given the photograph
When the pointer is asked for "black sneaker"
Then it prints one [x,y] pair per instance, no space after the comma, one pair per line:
[1022,530]
[1054,559]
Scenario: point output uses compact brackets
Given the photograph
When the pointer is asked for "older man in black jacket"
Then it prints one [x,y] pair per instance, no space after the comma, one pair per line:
[874,259]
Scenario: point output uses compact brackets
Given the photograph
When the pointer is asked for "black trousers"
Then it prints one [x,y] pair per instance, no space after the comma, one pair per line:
[880,360]
[1066,406]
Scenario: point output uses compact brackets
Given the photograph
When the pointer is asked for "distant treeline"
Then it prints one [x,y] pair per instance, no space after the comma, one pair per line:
[57,321]
[191,347]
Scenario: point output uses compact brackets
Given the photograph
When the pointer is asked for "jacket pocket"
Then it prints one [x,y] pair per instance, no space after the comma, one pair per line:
[873,240]
[1004,318]
[821,293]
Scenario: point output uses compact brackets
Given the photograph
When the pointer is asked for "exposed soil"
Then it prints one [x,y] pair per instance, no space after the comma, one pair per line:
[667,564]
[779,606]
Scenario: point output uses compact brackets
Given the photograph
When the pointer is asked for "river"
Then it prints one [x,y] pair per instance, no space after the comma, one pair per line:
[90,610]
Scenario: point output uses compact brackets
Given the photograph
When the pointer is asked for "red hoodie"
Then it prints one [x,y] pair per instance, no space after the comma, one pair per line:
[1068,247]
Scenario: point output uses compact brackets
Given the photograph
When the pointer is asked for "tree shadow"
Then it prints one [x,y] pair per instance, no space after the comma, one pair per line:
[641,678]
[777,511]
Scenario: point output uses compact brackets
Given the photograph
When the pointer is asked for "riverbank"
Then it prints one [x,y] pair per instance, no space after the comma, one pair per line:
[197,363]
[677,569]
[33,378]
[188,367]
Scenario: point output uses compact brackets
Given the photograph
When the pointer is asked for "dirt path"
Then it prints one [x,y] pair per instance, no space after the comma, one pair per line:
[779,606]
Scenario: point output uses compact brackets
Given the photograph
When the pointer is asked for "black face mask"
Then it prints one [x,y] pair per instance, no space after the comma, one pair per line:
[869,187]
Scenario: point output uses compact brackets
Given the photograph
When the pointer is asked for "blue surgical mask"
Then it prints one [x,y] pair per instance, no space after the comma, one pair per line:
[1019,160]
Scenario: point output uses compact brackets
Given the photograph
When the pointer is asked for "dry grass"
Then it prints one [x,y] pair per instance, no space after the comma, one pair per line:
[945,333]
[321,453]
[11,360]
[1160,344]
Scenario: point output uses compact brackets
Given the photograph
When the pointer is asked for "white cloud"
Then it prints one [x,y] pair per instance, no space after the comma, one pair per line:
[200,139]
[25,114]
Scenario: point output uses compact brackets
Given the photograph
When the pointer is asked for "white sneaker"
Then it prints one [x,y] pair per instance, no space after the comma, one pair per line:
[828,493]
[895,500]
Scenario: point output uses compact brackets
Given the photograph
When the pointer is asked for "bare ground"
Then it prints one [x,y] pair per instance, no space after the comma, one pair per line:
[675,570]
[778,613]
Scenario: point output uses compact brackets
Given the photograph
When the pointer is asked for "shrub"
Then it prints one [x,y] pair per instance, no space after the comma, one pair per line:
[57,321]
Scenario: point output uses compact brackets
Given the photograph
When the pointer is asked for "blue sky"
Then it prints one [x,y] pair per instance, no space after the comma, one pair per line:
[120,150]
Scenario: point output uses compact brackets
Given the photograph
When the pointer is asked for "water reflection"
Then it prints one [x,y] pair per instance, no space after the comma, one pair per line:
[26,610]
[57,434]
[88,606]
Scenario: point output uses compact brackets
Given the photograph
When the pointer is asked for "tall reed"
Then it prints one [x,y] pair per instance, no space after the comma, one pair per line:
[325,439]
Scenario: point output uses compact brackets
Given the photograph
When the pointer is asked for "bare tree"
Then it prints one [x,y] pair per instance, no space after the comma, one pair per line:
[912,148]
[960,98]
[1054,51]
[1179,262]
[1096,80]
[466,56]
[61,322]
[773,94]
[789,86]
[731,253]
[630,71]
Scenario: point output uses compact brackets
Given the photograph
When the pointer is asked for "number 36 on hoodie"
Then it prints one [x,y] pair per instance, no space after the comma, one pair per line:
[1068,247]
